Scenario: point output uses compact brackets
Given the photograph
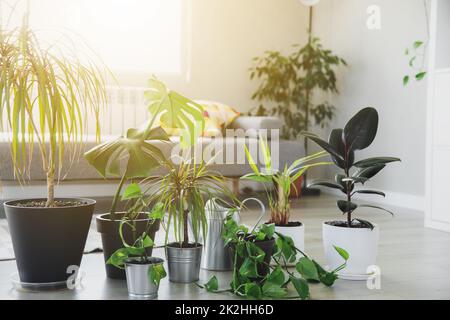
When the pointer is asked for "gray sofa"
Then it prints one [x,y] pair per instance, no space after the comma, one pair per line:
[82,171]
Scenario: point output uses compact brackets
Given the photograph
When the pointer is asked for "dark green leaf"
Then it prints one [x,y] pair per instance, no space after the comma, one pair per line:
[420,75]
[405,80]
[361,130]
[369,172]
[301,286]
[307,269]
[273,290]
[248,268]
[365,223]
[375,207]
[323,144]
[252,290]
[375,161]
[336,141]
[277,276]
[346,206]
[370,192]
[325,183]
[212,285]
[268,230]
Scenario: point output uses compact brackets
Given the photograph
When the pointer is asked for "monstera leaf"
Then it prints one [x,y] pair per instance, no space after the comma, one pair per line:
[141,156]
[175,111]
[360,131]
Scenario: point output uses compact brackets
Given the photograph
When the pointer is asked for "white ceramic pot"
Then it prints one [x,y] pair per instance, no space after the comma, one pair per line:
[360,243]
[297,233]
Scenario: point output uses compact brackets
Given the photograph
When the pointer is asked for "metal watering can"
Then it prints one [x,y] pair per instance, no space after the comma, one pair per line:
[216,255]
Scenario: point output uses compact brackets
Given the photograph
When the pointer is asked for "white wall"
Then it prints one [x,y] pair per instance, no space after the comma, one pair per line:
[374,78]
[224,37]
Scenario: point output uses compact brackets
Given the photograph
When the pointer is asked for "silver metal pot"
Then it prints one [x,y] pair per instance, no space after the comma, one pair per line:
[216,254]
[183,263]
[138,282]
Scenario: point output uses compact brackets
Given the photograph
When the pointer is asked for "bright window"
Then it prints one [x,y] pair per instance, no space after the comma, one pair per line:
[130,36]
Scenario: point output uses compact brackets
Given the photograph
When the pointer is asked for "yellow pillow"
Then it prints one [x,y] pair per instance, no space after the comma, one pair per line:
[222,114]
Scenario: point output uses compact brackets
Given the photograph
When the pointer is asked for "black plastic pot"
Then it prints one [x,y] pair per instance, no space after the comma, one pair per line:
[267,246]
[111,241]
[47,241]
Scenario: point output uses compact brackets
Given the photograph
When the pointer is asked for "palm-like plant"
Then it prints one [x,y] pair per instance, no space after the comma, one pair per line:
[142,156]
[277,183]
[183,191]
[45,96]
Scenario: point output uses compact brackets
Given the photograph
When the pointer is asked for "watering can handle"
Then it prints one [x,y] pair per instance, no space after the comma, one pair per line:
[263,210]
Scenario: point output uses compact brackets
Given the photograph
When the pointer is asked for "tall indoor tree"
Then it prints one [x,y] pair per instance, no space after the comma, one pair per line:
[46,94]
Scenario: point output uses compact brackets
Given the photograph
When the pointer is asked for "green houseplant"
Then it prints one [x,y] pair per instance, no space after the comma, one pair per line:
[182,192]
[45,94]
[137,154]
[277,185]
[287,84]
[358,236]
[253,275]
[143,272]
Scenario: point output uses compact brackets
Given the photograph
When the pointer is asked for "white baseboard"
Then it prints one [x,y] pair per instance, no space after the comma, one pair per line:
[395,199]
[442,226]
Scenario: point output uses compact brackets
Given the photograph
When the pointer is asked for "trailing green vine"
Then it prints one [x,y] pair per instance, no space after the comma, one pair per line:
[255,277]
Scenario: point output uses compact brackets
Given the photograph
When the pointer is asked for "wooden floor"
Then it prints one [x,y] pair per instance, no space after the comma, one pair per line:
[414,262]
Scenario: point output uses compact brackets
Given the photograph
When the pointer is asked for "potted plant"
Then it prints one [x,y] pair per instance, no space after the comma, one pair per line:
[358,236]
[287,84]
[143,272]
[139,149]
[45,95]
[183,191]
[277,185]
[254,277]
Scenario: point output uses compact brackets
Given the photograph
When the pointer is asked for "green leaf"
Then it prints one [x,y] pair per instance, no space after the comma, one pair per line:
[254,252]
[327,278]
[411,61]
[156,272]
[307,269]
[419,76]
[365,223]
[361,129]
[248,268]
[325,183]
[147,242]
[252,290]
[375,161]
[405,80]
[257,177]
[369,172]
[285,248]
[137,148]
[370,192]
[346,206]
[323,144]
[118,258]
[344,254]
[132,191]
[301,286]
[157,212]
[417,44]
[268,229]
[175,110]
[273,290]
[277,276]
[212,285]
[375,207]
[336,141]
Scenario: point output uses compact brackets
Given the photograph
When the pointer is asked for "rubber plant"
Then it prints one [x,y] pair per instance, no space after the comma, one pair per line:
[358,134]
[138,146]
[277,184]
[46,94]
[280,282]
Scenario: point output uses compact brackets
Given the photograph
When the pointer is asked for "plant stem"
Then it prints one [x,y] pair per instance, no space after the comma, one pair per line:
[112,211]
[50,187]
[185,228]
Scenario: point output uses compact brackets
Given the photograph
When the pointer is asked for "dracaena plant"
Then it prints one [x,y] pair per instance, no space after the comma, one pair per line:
[277,183]
[141,242]
[182,191]
[358,134]
[138,148]
[280,281]
[46,94]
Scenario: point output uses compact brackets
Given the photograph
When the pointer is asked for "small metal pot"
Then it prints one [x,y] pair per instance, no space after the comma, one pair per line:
[183,263]
[138,282]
